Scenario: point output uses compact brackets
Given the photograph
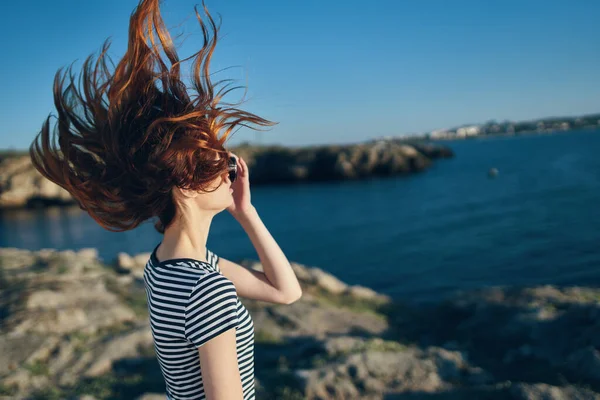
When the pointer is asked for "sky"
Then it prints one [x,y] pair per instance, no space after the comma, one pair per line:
[333,71]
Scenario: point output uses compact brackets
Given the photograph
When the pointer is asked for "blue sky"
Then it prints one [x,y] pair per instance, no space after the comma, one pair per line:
[335,71]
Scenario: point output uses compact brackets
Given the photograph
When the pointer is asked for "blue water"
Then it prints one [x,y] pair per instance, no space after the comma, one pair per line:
[419,237]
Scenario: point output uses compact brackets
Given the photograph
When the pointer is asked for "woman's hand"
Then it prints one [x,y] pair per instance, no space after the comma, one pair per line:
[241,190]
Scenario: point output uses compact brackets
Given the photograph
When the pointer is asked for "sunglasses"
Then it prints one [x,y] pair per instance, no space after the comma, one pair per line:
[232,166]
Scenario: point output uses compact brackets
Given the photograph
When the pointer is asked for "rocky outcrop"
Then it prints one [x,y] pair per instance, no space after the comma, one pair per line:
[331,163]
[22,186]
[72,327]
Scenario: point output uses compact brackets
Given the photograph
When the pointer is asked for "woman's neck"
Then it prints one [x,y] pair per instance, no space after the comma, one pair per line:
[186,236]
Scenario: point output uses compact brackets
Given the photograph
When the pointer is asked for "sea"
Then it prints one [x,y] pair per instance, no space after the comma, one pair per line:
[422,237]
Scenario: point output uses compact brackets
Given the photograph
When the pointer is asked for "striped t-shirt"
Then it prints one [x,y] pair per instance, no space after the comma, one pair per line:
[191,302]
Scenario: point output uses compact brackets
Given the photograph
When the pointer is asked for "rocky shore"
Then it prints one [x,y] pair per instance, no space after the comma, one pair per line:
[75,327]
[22,186]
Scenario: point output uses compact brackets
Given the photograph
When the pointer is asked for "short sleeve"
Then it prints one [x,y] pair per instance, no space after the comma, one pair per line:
[211,308]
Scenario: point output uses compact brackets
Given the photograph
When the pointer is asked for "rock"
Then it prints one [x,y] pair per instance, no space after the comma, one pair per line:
[134,265]
[361,369]
[327,281]
[16,259]
[363,292]
[585,363]
[16,349]
[432,151]
[59,292]
[450,364]
[314,318]
[342,345]
[302,272]
[119,348]
[21,185]
[408,151]
[152,396]
[88,254]
[19,380]
[69,317]
[542,391]
[44,350]
[125,261]
[73,306]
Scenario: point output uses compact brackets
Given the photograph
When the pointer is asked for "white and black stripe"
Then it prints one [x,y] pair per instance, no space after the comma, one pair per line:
[191,302]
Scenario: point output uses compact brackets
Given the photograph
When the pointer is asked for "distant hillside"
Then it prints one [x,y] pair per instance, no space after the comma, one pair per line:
[550,124]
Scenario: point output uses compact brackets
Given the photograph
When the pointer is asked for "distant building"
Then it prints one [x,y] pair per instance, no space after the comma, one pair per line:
[439,134]
[465,131]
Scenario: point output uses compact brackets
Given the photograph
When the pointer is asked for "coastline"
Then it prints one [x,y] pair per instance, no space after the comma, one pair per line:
[592,129]
[21,185]
[74,326]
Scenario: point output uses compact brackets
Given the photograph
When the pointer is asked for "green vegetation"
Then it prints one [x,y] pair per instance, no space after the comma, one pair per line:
[357,304]
[62,269]
[282,386]
[104,387]
[265,337]
[12,295]
[37,368]
[288,393]
[591,296]
[6,390]
[551,308]
[373,344]
[143,378]
[133,296]
[50,393]
[9,153]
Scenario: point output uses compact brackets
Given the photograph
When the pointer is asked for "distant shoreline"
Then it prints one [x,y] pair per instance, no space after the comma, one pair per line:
[523,127]
[492,128]
[522,133]
[22,186]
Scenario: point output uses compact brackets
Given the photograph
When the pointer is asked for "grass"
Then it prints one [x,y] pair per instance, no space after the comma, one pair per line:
[101,388]
[265,337]
[374,344]
[282,386]
[6,390]
[80,341]
[50,393]
[287,393]
[550,308]
[382,345]
[104,387]
[111,386]
[592,296]
[38,368]
[134,297]
[357,304]
[12,296]
[62,269]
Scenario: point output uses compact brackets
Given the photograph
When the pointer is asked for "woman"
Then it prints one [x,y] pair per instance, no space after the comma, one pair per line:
[132,145]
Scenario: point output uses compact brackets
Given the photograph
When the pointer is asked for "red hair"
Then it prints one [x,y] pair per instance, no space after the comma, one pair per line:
[124,139]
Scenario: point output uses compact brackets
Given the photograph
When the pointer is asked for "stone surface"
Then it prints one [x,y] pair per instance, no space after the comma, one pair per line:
[21,185]
[74,327]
